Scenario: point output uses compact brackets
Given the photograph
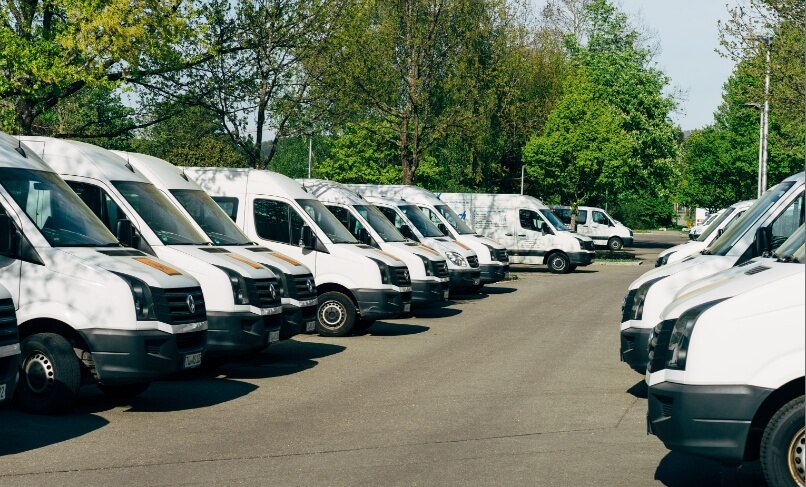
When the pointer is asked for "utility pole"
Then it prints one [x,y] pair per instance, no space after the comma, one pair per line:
[765,117]
[310,154]
[523,169]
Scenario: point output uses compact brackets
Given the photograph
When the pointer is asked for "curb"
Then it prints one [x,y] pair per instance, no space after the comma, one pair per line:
[618,263]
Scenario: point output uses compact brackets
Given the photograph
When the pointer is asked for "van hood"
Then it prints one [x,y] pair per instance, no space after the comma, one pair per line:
[221,257]
[708,262]
[444,244]
[419,249]
[689,248]
[267,256]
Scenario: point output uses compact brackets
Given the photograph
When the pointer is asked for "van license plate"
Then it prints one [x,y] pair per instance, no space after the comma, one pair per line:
[193,360]
[310,326]
[274,336]
[476,282]
[406,307]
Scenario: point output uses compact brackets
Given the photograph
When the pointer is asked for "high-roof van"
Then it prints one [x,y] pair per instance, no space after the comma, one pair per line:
[244,312]
[493,257]
[528,228]
[429,270]
[9,336]
[597,224]
[356,283]
[726,217]
[762,228]
[296,282]
[411,222]
[88,309]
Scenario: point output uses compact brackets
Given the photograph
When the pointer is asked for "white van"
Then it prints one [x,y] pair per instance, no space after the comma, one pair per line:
[87,308]
[356,283]
[429,270]
[528,228]
[726,217]
[727,366]
[9,336]
[244,312]
[493,257]
[296,282]
[763,227]
[597,224]
[697,230]
[411,222]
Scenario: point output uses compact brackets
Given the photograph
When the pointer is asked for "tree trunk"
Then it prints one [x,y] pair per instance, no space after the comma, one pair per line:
[25,116]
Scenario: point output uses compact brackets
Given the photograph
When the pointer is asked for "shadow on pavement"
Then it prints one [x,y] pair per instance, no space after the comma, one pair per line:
[384,329]
[435,312]
[496,289]
[21,432]
[682,470]
[639,389]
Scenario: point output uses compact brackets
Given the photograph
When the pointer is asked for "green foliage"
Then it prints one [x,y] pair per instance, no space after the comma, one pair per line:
[359,156]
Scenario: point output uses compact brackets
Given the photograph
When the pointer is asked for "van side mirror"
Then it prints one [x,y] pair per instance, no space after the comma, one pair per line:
[763,241]
[363,236]
[720,232]
[7,231]
[307,240]
[406,231]
[443,229]
[124,231]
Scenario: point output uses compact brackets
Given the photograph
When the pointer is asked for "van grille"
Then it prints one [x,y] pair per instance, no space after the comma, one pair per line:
[401,276]
[171,305]
[440,268]
[187,342]
[626,306]
[473,261]
[9,334]
[501,255]
[260,292]
[588,245]
[659,345]
[300,290]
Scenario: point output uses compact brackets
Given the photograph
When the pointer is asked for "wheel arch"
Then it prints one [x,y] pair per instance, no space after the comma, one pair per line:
[766,411]
[332,286]
[50,325]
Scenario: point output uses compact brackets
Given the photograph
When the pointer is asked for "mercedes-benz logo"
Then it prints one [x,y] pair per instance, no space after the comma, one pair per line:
[310,285]
[191,304]
[406,275]
[272,291]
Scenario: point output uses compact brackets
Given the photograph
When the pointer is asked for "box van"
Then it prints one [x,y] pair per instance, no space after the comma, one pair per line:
[295,281]
[680,252]
[763,227]
[87,308]
[356,283]
[598,225]
[411,222]
[493,257]
[429,270]
[726,370]
[9,337]
[244,312]
[528,228]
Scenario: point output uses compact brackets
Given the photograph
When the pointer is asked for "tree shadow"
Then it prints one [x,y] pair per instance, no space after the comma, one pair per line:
[384,329]
[639,389]
[21,432]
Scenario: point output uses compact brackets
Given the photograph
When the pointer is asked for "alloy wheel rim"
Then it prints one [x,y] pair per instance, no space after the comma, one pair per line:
[797,456]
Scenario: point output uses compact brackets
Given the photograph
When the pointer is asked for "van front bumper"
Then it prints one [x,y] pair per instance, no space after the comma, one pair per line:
[130,356]
[423,292]
[635,348]
[297,319]
[240,333]
[377,304]
[491,273]
[9,370]
[465,278]
[712,421]
[581,259]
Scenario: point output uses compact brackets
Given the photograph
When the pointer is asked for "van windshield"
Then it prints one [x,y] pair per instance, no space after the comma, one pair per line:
[59,214]
[379,223]
[210,217]
[171,226]
[553,219]
[327,222]
[420,221]
[715,225]
[792,249]
[455,220]
[723,244]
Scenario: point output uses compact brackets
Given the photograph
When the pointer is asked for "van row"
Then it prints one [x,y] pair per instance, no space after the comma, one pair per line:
[718,331]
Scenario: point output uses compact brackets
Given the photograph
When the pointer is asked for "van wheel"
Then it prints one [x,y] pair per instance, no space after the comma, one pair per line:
[336,315]
[783,446]
[615,243]
[50,374]
[558,263]
[124,390]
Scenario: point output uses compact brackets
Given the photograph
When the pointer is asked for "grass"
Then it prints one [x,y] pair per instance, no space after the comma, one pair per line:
[614,256]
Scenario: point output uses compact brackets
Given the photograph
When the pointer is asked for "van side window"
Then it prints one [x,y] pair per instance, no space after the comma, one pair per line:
[431,215]
[228,204]
[529,220]
[582,217]
[564,215]
[347,219]
[277,221]
[600,218]
[392,216]
[100,203]
[787,222]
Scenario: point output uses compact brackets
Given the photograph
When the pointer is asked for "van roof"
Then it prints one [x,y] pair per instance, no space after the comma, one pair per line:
[388,201]
[221,180]
[9,157]
[159,171]
[332,192]
[414,194]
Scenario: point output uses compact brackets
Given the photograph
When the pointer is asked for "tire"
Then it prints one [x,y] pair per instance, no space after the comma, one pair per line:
[124,390]
[50,374]
[335,315]
[783,445]
[615,243]
[558,263]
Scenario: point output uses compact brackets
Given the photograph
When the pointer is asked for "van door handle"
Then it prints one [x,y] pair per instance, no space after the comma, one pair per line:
[508,234]
[521,234]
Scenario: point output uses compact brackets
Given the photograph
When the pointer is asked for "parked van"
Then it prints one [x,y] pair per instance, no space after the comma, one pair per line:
[763,227]
[697,230]
[9,337]
[295,281]
[244,312]
[411,222]
[356,283]
[528,228]
[429,270]
[493,257]
[87,308]
[726,370]
[680,252]
[597,224]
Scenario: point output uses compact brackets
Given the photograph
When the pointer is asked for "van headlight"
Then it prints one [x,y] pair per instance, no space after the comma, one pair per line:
[663,260]
[240,290]
[426,264]
[681,335]
[386,274]
[640,298]
[456,259]
[143,299]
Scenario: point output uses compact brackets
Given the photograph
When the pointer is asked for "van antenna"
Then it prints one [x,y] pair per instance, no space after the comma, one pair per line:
[184,176]
[19,148]
[128,164]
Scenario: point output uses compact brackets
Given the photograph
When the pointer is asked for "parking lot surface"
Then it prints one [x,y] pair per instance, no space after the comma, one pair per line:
[519,385]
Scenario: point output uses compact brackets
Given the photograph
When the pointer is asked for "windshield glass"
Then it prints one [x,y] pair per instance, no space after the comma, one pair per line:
[171,227]
[420,221]
[454,220]
[327,222]
[553,219]
[210,217]
[723,244]
[61,216]
[379,223]
[714,226]
[792,246]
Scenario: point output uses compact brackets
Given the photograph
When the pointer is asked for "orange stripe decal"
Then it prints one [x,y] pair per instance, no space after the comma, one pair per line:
[156,265]
[388,255]
[285,258]
[428,249]
[246,261]
[462,245]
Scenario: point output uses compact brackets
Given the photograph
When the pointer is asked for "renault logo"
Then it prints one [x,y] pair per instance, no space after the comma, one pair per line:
[310,285]
[191,304]
[272,291]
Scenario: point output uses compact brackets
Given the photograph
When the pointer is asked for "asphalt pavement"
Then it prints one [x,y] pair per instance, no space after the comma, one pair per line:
[518,385]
